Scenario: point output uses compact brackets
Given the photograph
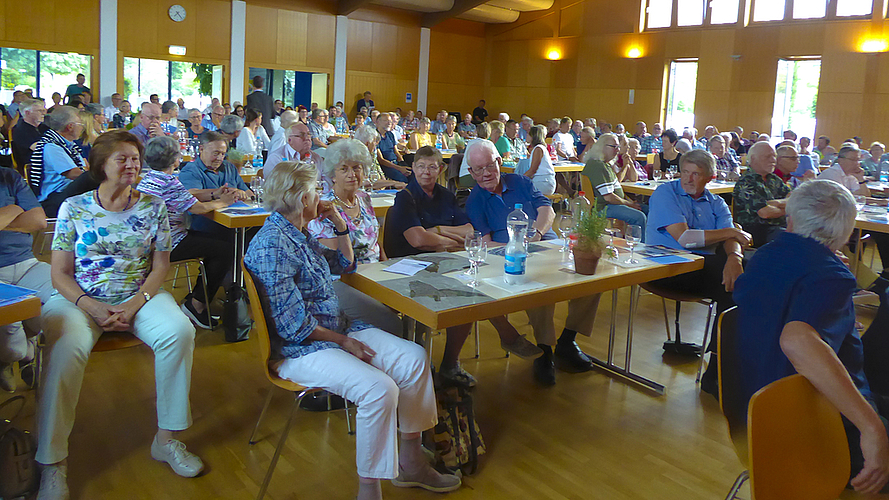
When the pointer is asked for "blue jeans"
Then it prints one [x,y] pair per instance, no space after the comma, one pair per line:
[393,174]
[629,215]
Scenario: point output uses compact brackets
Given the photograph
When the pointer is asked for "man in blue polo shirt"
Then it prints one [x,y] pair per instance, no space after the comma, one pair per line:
[795,315]
[387,151]
[488,205]
[209,172]
[684,215]
[20,215]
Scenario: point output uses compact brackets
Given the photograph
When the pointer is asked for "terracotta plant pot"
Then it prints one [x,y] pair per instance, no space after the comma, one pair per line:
[586,261]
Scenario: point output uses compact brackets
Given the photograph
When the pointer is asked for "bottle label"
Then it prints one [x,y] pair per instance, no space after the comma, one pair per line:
[515,264]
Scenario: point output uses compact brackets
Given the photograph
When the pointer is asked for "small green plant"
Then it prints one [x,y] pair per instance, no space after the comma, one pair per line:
[236,157]
[589,229]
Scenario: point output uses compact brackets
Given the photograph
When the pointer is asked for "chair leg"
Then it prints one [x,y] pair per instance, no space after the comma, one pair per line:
[268,474]
[349,419]
[477,342]
[666,318]
[176,275]
[742,478]
[265,406]
[188,280]
[710,318]
[206,294]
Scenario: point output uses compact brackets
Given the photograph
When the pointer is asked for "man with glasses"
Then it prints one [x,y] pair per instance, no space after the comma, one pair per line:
[150,123]
[216,115]
[27,131]
[56,160]
[116,101]
[488,205]
[297,148]
[847,170]
[760,196]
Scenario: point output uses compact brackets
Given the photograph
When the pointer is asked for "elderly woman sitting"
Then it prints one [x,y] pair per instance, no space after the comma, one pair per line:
[607,189]
[450,138]
[345,165]
[727,169]
[387,377]
[371,138]
[627,168]
[421,137]
[162,156]
[111,253]
[426,218]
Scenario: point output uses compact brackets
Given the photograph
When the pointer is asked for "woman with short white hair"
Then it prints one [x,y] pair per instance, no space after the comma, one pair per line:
[369,136]
[388,378]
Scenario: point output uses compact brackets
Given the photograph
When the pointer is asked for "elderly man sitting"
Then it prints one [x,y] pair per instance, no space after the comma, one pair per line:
[759,196]
[795,315]
[56,160]
[150,123]
[217,112]
[27,131]
[488,206]
[652,143]
[286,120]
[440,124]
[387,152]
[298,147]
[684,215]
[230,126]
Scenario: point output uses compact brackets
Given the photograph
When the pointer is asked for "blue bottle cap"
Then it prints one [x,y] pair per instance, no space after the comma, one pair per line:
[518,206]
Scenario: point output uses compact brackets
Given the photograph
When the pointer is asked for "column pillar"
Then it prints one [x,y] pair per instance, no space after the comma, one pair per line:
[107,52]
[339,61]
[237,70]
[423,77]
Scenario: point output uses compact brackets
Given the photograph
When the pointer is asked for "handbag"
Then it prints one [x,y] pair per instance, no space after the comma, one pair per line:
[19,476]
[236,314]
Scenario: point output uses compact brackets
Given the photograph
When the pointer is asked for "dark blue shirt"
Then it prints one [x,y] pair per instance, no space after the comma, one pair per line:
[387,147]
[488,211]
[15,247]
[412,208]
[195,175]
[794,278]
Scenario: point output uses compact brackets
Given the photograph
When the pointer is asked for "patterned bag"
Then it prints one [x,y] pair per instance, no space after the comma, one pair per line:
[458,440]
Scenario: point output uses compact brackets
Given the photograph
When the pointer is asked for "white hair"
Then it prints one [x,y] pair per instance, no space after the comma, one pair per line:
[480,144]
[345,151]
[683,145]
[824,211]
[285,186]
[504,117]
[597,150]
[367,133]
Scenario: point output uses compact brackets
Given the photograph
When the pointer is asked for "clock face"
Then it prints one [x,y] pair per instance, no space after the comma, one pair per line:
[177,13]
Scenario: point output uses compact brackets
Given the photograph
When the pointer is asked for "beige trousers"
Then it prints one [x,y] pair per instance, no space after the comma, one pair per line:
[581,316]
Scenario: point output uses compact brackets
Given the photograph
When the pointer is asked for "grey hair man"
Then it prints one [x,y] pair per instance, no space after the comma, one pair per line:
[287,119]
[488,203]
[231,126]
[56,160]
[28,130]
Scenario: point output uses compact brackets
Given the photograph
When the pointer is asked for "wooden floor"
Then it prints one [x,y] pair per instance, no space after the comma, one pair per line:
[589,437]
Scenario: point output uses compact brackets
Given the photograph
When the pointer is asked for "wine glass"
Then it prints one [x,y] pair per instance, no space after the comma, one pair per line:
[673,171]
[372,177]
[633,236]
[470,241]
[566,224]
[860,202]
[657,174]
[612,228]
[256,187]
[478,253]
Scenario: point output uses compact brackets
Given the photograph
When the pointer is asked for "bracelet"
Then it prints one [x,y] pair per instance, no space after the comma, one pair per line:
[862,182]
[78,299]
[341,233]
[212,196]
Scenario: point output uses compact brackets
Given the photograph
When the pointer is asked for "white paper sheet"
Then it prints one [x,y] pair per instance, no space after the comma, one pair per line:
[408,267]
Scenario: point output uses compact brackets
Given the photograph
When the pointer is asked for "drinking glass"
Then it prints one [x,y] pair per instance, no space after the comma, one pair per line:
[633,236]
[372,177]
[657,174]
[256,187]
[566,224]
[478,253]
[612,228]
[674,171]
[471,240]
[860,202]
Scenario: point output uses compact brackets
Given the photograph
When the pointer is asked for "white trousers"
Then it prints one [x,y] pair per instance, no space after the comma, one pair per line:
[397,380]
[70,336]
[33,274]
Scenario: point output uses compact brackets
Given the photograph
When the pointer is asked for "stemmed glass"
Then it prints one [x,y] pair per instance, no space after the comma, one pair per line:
[468,242]
[672,171]
[478,253]
[611,227]
[657,174]
[566,224]
[633,236]
[256,187]
[372,177]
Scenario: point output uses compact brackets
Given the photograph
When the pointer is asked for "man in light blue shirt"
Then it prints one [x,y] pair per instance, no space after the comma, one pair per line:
[440,124]
[150,123]
[216,115]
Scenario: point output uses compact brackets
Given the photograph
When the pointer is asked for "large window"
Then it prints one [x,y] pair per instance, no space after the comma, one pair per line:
[796,95]
[681,88]
[778,10]
[847,8]
[768,10]
[724,11]
[690,12]
[294,88]
[43,72]
[659,13]
[195,83]
[809,9]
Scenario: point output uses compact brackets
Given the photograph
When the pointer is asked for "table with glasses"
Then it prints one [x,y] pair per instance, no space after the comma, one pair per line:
[564,166]
[647,188]
[439,296]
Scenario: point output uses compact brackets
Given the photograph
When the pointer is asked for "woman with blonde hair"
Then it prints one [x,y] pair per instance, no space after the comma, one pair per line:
[421,137]
[94,121]
[541,171]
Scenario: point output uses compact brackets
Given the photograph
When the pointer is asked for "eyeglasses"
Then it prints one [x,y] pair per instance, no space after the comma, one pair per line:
[421,167]
[493,167]
[346,170]
[301,136]
[218,114]
[615,146]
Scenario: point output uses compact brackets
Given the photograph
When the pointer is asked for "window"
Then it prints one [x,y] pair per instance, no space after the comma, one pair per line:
[768,10]
[660,13]
[43,72]
[847,8]
[809,9]
[170,80]
[690,12]
[796,95]
[724,11]
[681,88]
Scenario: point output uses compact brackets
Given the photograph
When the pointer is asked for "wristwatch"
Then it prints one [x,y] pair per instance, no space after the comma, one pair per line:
[344,232]
[147,296]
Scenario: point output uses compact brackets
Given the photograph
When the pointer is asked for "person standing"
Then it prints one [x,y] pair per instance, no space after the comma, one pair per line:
[365,102]
[262,102]
[78,88]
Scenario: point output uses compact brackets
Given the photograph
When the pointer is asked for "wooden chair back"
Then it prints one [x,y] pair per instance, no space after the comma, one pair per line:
[798,447]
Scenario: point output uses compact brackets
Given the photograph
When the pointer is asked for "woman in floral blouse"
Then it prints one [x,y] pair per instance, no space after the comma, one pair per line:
[345,163]
[387,377]
[111,253]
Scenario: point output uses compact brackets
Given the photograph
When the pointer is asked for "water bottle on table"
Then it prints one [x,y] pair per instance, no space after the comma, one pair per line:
[257,156]
[516,253]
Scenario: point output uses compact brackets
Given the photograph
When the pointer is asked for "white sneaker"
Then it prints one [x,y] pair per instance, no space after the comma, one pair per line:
[7,378]
[53,483]
[182,462]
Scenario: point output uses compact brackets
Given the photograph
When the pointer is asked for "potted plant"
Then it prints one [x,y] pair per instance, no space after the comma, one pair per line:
[589,247]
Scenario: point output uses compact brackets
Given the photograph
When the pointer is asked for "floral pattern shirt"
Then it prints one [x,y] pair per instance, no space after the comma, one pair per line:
[364,230]
[112,250]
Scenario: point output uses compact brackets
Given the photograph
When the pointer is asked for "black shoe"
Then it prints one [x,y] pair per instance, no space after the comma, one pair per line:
[199,319]
[710,380]
[28,373]
[569,358]
[544,372]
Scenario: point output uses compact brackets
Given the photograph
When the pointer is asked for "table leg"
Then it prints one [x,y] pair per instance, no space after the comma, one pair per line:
[240,236]
[858,250]
[613,326]
[624,372]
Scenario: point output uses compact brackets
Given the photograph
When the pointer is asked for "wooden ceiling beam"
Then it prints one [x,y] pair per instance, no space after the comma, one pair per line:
[430,19]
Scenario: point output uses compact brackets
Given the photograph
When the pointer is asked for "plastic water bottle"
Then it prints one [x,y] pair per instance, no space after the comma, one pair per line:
[257,156]
[516,254]
[884,171]
[182,135]
[580,205]
[438,141]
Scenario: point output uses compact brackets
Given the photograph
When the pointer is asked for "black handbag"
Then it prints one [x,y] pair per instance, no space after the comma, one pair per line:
[236,314]
[19,476]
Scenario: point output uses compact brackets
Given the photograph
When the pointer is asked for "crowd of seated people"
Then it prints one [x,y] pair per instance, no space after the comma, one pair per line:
[112,179]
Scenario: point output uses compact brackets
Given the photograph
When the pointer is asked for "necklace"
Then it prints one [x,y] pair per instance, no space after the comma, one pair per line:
[129,198]
[343,203]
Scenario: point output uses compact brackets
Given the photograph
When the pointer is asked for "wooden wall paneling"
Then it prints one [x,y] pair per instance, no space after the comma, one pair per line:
[712,108]
[682,44]
[292,39]
[360,49]
[838,115]
[586,104]
[140,37]
[882,73]
[452,97]
[388,91]
[715,63]
[384,48]
[321,41]
[545,26]
[539,68]
[877,131]
[514,70]
[76,25]
[571,20]
[407,52]
[4,19]
[213,34]
[170,32]
[28,23]
[801,40]
[262,34]
[647,107]
[842,72]
[753,110]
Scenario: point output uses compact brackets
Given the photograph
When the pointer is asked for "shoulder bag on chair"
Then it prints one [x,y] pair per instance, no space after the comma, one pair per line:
[18,470]
[236,314]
